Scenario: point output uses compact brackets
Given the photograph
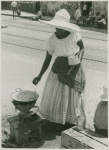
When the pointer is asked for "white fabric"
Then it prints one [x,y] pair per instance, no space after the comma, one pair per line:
[14,4]
[103,21]
[39,13]
[85,7]
[77,13]
[62,25]
[62,15]
[60,103]
[63,47]
[61,20]
[90,14]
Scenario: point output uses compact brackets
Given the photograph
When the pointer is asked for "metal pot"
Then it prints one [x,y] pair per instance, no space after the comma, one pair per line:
[24,100]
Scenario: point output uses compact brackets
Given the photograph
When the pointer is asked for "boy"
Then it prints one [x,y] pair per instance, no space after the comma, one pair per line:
[101,114]
[102,22]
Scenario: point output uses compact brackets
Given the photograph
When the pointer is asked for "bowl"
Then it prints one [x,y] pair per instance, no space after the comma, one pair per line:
[24,100]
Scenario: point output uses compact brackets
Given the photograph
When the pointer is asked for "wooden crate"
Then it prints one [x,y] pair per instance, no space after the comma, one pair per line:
[87,139]
[20,130]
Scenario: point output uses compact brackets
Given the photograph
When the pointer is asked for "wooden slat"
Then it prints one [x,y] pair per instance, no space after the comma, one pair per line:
[69,142]
[96,136]
[62,147]
[71,136]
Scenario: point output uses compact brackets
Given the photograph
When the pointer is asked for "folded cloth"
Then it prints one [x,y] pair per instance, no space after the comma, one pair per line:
[73,76]
[73,60]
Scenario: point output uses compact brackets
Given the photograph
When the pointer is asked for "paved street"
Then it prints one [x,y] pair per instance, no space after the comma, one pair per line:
[36,33]
[23,52]
[27,15]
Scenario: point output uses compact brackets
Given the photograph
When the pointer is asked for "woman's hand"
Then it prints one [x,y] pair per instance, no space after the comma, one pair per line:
[36,80]
[44,68]
[81,52]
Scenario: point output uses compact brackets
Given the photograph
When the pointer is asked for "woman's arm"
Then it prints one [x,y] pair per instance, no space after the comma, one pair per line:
[45,64]
[44,68]
[81,52]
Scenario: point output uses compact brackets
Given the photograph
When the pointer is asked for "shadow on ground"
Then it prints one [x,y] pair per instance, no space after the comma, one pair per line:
[51,136]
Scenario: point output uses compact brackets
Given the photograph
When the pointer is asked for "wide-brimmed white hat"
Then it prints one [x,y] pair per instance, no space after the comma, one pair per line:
[61,20]
[103,94]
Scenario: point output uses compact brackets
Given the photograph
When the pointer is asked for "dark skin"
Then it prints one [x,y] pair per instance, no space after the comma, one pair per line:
[60,34]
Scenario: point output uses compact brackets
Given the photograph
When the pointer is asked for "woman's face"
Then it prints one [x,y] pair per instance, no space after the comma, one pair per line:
[60,31]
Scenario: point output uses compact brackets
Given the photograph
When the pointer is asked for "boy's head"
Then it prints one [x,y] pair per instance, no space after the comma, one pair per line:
[76,8]
[105,89]
[90,8]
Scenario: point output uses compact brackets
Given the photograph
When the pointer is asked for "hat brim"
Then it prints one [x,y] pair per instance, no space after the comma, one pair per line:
[102,96]
[62,25]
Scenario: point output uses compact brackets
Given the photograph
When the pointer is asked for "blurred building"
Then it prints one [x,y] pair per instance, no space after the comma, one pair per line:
[50,7]
[26,6]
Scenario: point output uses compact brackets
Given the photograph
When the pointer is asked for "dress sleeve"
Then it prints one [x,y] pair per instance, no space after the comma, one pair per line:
[77,37]
[49,46]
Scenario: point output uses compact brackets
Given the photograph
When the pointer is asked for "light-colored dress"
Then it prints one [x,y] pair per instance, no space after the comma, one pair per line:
[60,103]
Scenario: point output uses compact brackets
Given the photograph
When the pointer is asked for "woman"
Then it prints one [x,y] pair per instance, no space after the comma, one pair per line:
[63,94]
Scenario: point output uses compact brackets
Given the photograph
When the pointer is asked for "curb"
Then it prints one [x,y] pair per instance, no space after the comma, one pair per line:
[30,17]
[25,17]
[17,16]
